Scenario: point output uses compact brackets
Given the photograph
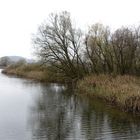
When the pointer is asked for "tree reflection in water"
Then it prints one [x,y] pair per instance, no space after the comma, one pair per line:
[59,115]
[52,114]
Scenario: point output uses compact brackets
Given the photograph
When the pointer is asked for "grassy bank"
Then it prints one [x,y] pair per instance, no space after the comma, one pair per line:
[121,91]
[33,71]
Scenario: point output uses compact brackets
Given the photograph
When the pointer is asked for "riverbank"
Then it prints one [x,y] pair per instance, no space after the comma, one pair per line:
[120,91]
[33,71]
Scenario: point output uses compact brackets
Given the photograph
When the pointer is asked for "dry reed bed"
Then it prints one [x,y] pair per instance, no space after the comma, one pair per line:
[122,91]
[30,71]
[36,72]
[36,75]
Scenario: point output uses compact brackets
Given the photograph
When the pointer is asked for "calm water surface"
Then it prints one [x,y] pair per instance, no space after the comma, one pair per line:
[35,111]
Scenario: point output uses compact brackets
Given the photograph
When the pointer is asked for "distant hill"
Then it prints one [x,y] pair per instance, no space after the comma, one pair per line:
[15,58]
[8,60]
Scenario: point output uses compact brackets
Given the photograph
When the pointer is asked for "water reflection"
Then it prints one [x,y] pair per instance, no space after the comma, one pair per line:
[31,110]
[59,115]
[50,116]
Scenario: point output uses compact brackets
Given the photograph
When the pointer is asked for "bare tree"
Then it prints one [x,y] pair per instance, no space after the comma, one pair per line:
[113,53]
[59,44]
[125,42]
[98,48]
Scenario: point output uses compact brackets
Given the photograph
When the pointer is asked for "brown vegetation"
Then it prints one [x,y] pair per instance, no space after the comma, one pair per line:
[33,71]
[122,91]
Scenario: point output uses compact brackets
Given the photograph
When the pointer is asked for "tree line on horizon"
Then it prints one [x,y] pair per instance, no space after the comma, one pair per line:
[75,54]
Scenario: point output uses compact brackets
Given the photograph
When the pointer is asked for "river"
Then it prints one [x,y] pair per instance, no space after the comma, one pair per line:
[35,111]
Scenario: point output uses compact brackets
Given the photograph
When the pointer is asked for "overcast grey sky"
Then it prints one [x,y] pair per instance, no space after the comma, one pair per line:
[20,18]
